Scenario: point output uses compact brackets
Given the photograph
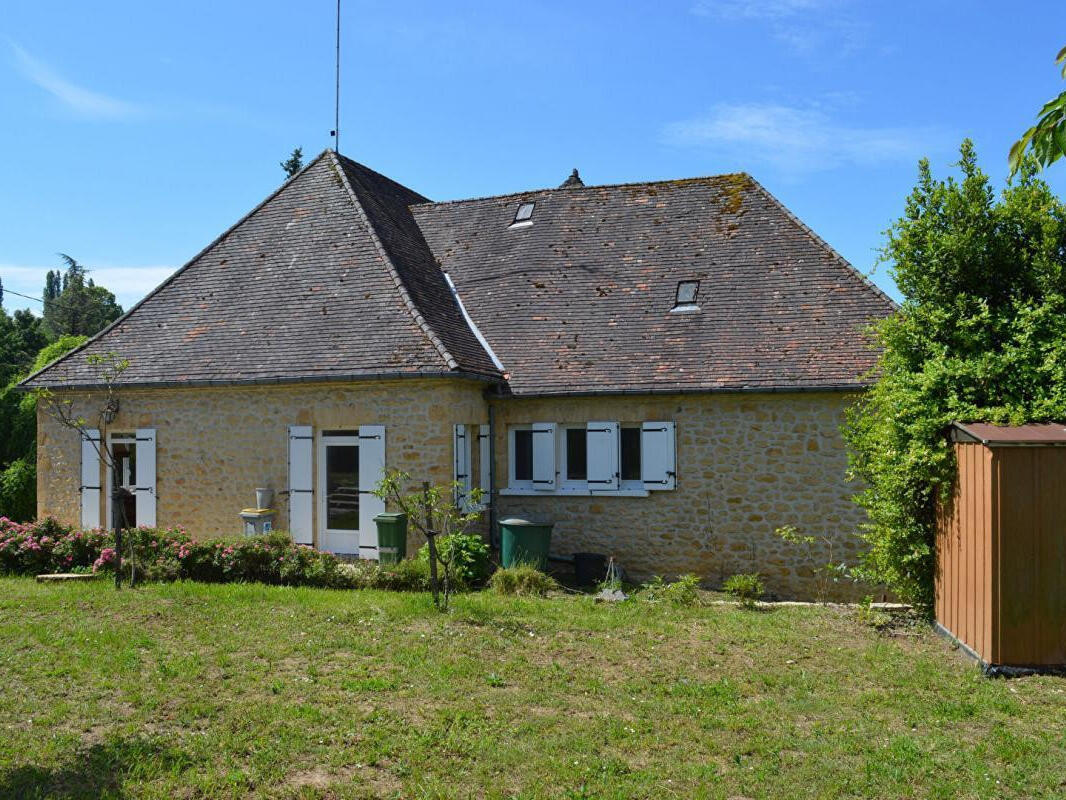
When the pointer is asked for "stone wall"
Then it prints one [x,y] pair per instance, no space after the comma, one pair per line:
[747,464]
[216,445]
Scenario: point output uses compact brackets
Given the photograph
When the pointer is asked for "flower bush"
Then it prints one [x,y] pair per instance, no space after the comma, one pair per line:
[167,554]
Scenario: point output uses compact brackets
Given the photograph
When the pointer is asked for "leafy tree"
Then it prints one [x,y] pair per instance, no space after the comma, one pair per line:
[294,163]
[18,436]
[1046,140]
[74,305]
[21,337]
[981,335]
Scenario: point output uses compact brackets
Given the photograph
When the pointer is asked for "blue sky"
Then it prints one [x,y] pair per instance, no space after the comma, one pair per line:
[134,133]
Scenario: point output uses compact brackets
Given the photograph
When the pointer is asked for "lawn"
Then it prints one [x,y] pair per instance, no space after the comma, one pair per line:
[192,690]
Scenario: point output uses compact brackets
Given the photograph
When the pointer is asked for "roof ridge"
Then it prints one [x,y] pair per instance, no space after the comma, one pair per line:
[818,240]
[401,287]
[170,278]
[572,190]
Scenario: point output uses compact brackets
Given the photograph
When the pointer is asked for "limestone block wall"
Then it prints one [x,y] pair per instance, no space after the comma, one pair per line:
[216,445]
[746,465]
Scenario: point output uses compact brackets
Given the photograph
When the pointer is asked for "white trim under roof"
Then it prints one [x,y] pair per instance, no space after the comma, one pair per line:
[473,326]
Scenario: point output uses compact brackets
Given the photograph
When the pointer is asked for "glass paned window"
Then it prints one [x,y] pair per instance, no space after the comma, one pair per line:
[525,212]
[342,487]
[576,454]
[630,455]
[523,455]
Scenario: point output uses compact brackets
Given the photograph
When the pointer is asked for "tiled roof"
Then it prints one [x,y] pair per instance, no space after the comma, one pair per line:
[580,301]
[338,275]
[328,278]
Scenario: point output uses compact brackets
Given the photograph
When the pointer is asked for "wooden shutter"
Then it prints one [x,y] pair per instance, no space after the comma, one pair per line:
[461,466]
[90,479]
[544,456]
[657,455]
[301,487]
[484,465]
[602,447]
[144,491]
[371,471]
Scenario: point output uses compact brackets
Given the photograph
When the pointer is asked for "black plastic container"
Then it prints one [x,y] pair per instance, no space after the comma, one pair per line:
[589,568]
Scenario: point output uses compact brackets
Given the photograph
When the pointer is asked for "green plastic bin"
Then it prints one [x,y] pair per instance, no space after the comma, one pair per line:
[392,536]
[525,542]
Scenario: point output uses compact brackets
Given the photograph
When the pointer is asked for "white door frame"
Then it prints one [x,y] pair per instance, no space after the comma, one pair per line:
[121,438]
[334,540]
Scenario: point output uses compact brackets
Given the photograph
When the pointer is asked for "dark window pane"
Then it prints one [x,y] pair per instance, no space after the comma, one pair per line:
[342,487]
[523,455]
[631,454]
[576,454]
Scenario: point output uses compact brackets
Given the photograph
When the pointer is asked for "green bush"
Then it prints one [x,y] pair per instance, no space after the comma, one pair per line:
[18,490]
[980,336]
[468,554]
[522,579]
[685,591]
[746,587]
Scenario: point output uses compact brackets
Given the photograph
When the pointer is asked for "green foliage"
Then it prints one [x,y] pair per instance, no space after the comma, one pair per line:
[467,554]
[524,580]
[746,587]
[294,163]
[18,490]
[21,337]
[50,352]
[73,304]
[1045,141]
[685,591]
[980,336]
[409,575]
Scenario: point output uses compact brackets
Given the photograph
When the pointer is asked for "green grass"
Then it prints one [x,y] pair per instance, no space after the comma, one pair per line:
[190,690]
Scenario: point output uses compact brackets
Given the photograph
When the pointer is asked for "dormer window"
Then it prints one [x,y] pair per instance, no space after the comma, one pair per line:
[685,300]
[524,214]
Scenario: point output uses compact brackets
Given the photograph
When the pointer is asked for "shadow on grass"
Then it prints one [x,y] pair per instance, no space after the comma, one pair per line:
[98,771]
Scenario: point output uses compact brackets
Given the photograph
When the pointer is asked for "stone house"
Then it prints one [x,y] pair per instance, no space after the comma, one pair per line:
[659,368]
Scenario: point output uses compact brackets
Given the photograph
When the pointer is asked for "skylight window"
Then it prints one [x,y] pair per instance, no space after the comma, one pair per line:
[687,292]
[524,215]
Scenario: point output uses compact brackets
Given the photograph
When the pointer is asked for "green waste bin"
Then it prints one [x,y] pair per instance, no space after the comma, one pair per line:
[525,542]
[392,537]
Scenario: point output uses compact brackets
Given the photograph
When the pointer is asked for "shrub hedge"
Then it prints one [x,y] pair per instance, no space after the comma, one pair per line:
[47,546]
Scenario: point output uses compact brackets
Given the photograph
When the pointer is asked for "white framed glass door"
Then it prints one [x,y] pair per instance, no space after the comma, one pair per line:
[122,474]
[338,492]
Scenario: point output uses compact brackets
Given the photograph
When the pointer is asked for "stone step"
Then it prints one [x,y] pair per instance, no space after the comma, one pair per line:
[67,576]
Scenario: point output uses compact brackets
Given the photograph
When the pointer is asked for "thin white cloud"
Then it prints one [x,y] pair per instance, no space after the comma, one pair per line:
[128,284]
[762,9]
[797,140]
[806,27]
[76,98]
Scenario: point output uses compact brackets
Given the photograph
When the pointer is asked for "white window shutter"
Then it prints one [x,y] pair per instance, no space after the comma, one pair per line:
[484,464]
[144,491]
[371,471]
[602,447]
[90,479]
[461,466]
[544,456]
[657,455]
[301,487]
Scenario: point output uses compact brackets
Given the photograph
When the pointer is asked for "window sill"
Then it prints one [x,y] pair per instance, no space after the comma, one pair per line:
[509,492]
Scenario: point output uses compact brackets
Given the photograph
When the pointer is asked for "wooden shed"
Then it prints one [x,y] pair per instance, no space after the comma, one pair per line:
[1001,545]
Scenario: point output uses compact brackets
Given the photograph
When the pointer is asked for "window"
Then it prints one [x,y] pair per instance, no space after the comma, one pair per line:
[124,476]
[685,300]
[576,455]
[597,458]
[522,454]
[630,455]
[524,214]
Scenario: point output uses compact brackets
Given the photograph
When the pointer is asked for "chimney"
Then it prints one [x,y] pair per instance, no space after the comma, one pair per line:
[573,182]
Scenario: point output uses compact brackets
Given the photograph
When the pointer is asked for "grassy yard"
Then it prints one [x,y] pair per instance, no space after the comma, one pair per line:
[190,690]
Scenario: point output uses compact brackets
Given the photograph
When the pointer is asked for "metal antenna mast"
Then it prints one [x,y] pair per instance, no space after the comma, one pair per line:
[336,132]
